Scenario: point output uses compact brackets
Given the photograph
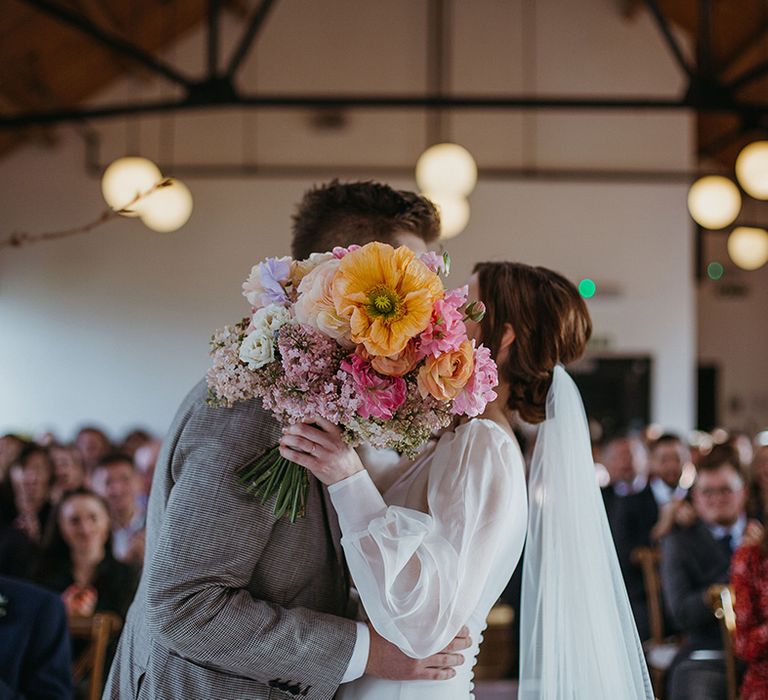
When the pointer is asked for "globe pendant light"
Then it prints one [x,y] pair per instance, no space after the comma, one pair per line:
[167,208]
[748,247]
[752,169]
[454,212]
[446,168]
[714,201]
[127,178]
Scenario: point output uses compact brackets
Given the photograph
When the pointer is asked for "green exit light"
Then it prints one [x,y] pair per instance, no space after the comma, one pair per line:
[587,288]
[715,270]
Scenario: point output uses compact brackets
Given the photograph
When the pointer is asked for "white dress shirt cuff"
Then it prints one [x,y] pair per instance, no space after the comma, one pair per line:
[359,659]
[357,501]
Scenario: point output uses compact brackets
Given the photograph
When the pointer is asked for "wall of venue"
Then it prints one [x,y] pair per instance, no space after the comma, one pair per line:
[112,326]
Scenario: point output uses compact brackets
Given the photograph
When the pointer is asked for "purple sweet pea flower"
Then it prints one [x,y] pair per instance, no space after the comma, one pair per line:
[264,286]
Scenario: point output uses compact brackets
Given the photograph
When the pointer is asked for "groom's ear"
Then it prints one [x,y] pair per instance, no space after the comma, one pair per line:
[508,337]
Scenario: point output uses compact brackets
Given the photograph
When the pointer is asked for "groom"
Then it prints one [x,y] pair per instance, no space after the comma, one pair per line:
[236,604]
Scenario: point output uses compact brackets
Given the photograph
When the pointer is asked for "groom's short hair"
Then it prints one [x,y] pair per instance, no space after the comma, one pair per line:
[346,213]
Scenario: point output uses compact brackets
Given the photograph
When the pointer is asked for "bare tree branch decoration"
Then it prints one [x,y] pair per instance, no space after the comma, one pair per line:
[21,238]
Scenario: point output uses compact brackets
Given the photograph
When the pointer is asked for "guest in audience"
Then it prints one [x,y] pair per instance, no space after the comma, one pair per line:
[35,659]
[118,482]
[31,479]
[642,518]
[10,448]
[693,559]
[670,505]
[758,478]
[145,460]
[133,441]
[749,576]
[93,445]
[68,470]
[79,563]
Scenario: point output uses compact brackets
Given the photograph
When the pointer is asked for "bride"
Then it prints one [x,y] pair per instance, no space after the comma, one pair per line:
[433,551]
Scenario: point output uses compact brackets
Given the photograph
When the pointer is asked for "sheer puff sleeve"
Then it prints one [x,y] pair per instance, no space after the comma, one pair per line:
[421,575]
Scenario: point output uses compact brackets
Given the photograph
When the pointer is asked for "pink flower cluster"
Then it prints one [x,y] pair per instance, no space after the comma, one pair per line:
[229,380]
[380,396]
[307,381]
[446,331]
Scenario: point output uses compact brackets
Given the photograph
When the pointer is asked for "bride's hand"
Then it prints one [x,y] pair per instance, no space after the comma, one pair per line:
[320,448]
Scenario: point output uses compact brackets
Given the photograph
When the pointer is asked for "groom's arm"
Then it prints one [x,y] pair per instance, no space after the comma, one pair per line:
[211,539]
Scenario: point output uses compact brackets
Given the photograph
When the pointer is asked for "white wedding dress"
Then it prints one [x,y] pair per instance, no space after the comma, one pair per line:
[435,551]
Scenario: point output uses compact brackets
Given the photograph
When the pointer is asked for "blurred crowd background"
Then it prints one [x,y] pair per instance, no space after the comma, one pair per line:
[691,507]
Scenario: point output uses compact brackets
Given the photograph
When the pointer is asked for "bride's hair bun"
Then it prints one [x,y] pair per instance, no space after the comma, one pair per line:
[551,324]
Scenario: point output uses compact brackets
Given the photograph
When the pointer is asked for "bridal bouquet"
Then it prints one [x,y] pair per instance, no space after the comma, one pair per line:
[367,338]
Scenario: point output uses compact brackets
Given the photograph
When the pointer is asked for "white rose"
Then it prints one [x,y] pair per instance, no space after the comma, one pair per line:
[271,318]
[258,349]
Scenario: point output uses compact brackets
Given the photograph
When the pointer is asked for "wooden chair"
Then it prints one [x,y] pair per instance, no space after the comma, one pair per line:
[661,648]
[98,632]
[722,600]
[495,657]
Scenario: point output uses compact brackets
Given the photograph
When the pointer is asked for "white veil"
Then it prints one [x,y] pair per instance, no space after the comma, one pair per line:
[578,636]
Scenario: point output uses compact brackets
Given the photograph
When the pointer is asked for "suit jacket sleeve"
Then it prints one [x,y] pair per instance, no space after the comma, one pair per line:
[48,663]
[685,600]
[212,536]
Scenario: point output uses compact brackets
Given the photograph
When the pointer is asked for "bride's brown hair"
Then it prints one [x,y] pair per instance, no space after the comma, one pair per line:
[551,324]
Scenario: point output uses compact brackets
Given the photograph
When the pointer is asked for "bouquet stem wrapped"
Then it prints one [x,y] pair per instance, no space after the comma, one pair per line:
[273,475]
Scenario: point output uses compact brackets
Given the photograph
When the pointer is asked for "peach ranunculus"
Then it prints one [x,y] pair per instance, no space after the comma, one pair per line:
[396,365]
[444,377]
[314,306]
[387,294]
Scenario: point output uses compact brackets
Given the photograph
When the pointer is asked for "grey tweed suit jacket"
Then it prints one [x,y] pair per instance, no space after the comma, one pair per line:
[232,604]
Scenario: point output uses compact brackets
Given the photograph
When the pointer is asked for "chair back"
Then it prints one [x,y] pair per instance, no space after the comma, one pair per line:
[649,561]
[97,631]
[722,600]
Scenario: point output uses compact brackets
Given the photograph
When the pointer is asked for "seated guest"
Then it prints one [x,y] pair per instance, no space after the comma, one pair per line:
[35,659]
[117,481]
[93,445]
[10,449]
[670,505]
[79,563]
[758,477]
[618,457]
[133,441]
[19,556]
[145,460]
[641,519]
[749,576]
[31,478]
[693,559]
[68,470]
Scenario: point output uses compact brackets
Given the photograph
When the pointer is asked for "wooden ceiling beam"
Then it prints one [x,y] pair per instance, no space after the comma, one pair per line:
[110,40]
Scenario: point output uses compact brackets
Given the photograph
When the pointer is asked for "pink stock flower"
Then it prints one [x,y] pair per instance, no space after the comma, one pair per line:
[339,252]
[446,331]
[478,391]
[379,396]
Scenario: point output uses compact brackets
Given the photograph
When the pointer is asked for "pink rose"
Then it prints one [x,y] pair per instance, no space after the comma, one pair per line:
[379,396]
[478,391]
